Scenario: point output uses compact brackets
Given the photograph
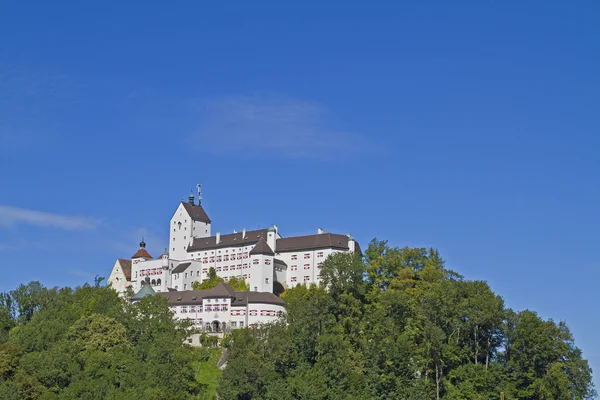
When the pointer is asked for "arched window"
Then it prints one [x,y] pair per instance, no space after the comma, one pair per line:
[153,282]
[158,281]
[208,327]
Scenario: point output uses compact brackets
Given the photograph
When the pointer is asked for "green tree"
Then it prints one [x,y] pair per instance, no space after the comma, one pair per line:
[212,281]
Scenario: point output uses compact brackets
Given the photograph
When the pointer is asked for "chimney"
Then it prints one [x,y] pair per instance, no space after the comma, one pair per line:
[244,233]
[320,231]
[218,237]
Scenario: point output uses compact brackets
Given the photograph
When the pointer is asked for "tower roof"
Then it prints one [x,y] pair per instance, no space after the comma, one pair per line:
[196,212]
[262,248]
[142,253]
[146,290]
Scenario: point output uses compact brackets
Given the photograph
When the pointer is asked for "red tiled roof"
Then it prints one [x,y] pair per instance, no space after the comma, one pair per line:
[126,267]
[142,253]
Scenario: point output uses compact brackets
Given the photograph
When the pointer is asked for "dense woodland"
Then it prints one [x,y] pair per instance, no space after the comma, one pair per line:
[395,324]
[398,325]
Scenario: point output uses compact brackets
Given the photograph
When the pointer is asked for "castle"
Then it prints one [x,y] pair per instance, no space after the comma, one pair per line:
[268,263]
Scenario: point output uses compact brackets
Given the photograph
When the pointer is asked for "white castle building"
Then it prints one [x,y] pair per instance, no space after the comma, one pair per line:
[268,262]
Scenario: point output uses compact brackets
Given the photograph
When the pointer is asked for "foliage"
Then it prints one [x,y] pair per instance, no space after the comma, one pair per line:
[238,284]
[399,325]
[87,343]
[212,281]
[208,373]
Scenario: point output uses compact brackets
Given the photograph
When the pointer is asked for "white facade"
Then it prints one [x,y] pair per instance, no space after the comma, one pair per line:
[120,278]
[261,257]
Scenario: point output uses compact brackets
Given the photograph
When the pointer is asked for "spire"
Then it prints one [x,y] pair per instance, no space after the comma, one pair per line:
[199,187]
[191,198]
[142,244]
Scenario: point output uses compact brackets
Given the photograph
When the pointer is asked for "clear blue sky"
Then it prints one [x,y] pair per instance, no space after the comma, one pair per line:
[471,127]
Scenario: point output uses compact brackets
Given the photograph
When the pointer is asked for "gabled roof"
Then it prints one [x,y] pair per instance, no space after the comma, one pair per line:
[142,253]
[262,248]
[222,290]
[311,242]
[196,212]
[228,240]
[126,267]
[243,298]
[181,267]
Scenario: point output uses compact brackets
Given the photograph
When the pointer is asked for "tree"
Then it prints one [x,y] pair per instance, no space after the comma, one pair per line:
[400,325]
[238,284]
[212,281]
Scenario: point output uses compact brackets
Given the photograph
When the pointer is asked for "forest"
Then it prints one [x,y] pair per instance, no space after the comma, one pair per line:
[392,323]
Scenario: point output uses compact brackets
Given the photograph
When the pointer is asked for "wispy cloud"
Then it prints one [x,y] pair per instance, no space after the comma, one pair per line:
[287,126]
[13,216]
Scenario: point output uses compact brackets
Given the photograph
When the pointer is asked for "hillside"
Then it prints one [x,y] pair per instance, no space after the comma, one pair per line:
[395,324]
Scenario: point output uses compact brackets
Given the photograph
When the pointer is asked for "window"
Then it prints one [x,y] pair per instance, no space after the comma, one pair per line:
[266,280]
[319,265]
[241,324]
[279,313]
[208,308]
[245,255]
[320,254]
[212,259]
[255,289]
[226,268]
[184,309]
[234,324]
[255,261]
[186,274]
[226,258]
[219,258]
[205,260]
[253,312]
[223,307]
[245,266]
[153,282]
[294,257]
[294,268]
[216,307]
[218,269]
[199,308]
[192,308]
[306,266]
[293,279]
[173,248]
[307,278]
[184,286]
[197,273]
[136,274]
[267,262]
[306,256]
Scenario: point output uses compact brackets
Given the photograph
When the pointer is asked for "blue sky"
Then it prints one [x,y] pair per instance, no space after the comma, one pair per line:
[472,127]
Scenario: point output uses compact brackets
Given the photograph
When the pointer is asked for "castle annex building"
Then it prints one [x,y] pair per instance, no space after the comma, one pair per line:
[267,261]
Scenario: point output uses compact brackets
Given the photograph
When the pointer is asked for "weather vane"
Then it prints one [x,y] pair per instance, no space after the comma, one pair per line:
[199,186]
